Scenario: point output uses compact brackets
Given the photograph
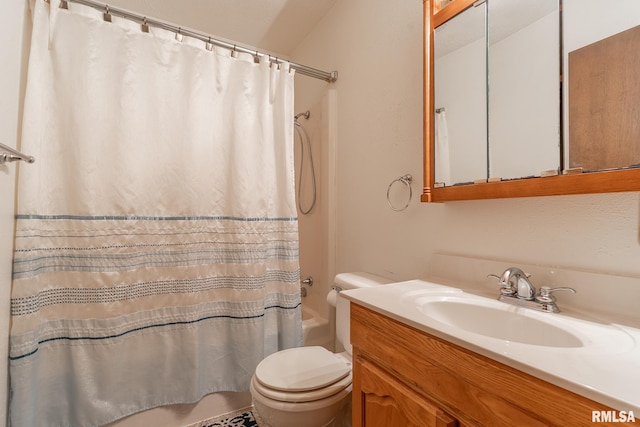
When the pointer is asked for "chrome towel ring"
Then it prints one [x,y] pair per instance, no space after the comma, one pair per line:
[406,180]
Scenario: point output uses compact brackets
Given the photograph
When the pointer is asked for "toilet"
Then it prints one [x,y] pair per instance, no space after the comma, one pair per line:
[311,386]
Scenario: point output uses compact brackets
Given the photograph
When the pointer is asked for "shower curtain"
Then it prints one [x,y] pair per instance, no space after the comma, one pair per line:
[156,255]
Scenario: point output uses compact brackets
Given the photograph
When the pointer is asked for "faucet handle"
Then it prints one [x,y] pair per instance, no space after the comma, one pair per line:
[545,293]
[507,288]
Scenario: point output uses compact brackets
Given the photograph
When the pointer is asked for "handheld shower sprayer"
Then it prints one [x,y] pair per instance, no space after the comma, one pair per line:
[305,144]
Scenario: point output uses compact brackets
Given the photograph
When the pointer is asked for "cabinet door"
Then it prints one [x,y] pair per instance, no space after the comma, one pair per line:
[380,400]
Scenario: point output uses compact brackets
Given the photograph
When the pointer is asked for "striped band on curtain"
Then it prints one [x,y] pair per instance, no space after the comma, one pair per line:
[156,256]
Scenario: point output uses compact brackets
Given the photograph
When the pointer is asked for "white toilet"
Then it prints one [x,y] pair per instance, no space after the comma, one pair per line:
[309,386]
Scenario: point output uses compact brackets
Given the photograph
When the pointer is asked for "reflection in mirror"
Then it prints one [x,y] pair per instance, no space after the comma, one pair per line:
[602,59]
[441,4]
[461,98]
[524,88]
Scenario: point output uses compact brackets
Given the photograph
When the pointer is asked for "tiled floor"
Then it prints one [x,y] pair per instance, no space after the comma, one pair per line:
[242,418]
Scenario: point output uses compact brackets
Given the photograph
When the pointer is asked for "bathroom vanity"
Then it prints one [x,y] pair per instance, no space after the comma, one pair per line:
[403,376]
[412,373]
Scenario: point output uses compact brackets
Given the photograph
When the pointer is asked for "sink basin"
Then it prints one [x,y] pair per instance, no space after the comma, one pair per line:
[493,327]
[497,320]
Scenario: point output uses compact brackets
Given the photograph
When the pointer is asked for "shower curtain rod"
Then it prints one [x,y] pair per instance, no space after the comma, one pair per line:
[329,77]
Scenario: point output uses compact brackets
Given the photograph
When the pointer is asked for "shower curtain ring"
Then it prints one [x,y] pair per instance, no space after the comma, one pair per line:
[209,45]
[144,27]
[179,34]
[106,16]
[234,52]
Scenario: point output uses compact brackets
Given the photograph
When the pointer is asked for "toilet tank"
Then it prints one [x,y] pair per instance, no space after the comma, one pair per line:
[346,281]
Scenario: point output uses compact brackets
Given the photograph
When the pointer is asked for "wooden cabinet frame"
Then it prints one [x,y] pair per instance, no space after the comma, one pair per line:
[594,182]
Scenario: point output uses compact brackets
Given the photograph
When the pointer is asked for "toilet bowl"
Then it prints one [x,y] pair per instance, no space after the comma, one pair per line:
[310,386]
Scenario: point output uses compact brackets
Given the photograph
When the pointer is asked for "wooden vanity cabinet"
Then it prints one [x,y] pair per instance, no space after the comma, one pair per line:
[405,377]
[386,401]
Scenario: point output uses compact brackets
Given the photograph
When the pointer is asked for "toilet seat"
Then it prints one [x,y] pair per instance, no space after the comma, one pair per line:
[302,396]
[302,374]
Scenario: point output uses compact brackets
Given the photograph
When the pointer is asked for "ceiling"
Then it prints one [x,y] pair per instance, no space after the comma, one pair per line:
[505,17]
[271,26]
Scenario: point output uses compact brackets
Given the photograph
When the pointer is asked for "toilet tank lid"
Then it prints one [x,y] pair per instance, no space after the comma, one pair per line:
[359,280]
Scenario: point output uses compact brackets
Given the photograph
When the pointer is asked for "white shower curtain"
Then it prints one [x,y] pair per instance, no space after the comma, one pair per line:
[156,255]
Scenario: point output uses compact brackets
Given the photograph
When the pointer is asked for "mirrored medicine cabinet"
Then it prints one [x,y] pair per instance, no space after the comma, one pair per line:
[530,98]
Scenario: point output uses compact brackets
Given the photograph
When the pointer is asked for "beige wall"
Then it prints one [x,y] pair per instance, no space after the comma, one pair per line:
[376,47]
[314,228]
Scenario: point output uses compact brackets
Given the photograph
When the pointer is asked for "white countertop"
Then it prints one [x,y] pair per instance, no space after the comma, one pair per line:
[606,369]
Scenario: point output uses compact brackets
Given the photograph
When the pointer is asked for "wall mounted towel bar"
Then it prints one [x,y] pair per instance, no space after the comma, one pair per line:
[8,154]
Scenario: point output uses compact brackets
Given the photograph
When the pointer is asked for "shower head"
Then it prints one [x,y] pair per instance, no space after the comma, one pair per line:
[306,115]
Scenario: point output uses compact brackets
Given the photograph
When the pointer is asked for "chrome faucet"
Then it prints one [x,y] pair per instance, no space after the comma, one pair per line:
[515,283]
[517,289]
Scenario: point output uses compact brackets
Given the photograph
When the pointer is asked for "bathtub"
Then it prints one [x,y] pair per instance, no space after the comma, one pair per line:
[315,329]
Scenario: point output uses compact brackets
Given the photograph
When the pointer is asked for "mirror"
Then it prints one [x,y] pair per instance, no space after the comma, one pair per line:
[497,92]
[460,75]
[524,88]
[602,52]
[547,132]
